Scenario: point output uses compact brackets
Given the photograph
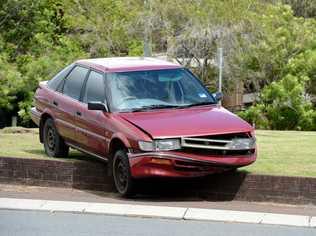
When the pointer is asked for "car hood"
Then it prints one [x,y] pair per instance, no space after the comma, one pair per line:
[194,121]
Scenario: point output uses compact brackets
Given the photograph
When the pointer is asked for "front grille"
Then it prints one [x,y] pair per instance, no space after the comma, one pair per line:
[228,136]
[214,144]
[217,152]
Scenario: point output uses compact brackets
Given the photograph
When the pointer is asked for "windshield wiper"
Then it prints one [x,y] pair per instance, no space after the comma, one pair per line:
[162,106]
[151,107]
[197,104]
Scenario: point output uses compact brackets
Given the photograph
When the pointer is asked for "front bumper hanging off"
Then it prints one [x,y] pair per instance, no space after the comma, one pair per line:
[177,164]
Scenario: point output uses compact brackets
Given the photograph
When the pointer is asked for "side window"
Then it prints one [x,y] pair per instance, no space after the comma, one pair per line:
[95,91]
[74,82]
[55,81]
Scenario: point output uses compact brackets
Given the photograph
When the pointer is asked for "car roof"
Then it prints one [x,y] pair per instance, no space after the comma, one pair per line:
[121,64]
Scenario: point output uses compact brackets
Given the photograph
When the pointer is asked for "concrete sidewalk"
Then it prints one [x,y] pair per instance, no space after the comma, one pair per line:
[179,213]
[69,200]
[67,194]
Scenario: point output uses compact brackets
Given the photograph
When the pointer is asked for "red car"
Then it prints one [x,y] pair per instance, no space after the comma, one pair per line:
[145,116]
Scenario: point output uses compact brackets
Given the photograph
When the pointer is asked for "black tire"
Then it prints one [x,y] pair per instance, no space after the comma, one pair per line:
[53,143]
[121,172]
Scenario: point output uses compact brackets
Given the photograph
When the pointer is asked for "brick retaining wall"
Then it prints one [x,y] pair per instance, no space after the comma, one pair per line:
[92,175]
[56,173]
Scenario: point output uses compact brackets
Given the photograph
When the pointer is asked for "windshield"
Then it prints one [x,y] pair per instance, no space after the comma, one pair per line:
[156,89]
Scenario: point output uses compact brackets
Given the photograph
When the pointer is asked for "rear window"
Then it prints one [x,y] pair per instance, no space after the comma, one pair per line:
[56,80]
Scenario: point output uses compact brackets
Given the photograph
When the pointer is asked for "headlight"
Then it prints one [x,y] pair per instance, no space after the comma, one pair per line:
[167,144]
[241,143]
[146,146]
[160,145]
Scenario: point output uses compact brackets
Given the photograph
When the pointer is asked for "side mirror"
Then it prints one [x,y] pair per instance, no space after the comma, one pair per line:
[97,106]
[218,96]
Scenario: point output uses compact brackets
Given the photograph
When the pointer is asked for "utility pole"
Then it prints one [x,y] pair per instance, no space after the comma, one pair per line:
[147,33]
[220,68]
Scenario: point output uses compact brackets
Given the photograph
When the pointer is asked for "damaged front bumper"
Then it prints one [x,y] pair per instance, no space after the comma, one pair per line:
[178,164]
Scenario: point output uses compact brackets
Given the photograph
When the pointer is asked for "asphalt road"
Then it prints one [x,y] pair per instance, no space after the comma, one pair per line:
[45,223]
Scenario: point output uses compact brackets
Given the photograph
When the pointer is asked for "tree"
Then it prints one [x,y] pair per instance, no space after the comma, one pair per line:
[283,106]
[303,66]
[53,57]
[101,27]
[263,40]
[279,37]
[303,8]
[33,48]
[20,21]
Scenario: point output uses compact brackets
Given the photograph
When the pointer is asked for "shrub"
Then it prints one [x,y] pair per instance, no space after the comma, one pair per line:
[283,106]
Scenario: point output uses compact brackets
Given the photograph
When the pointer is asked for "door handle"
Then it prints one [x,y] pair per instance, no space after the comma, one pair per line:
[78,113]
[55,103]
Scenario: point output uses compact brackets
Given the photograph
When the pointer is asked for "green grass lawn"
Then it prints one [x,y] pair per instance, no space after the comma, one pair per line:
[24,143]
[290,153]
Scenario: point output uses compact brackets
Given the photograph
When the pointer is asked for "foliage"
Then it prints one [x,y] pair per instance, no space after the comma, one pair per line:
[33,48]
[44,67]
[304,66]
[304,8]
[266,44]
[283,106]
[208,26]
[282,60]
[278,39]
[10,84]
[20,21]
[101,27]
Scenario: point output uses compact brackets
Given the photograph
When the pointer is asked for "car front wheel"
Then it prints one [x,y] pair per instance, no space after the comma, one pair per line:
[53,143]
[122,177]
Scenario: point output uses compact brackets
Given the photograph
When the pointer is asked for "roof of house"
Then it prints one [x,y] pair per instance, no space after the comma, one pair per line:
[121,64]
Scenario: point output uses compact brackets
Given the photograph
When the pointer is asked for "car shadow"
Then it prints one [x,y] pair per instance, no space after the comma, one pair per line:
[217,187]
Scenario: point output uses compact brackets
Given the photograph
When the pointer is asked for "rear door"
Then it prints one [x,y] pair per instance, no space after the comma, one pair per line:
[91,127]
[67,103]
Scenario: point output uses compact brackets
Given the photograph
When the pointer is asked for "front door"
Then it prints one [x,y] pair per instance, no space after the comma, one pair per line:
[91,125]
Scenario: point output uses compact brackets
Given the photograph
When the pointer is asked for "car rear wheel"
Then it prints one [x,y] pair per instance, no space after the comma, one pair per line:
[53,143]
[122,177]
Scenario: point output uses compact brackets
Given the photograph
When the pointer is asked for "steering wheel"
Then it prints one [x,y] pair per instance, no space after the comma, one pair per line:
[126,99]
